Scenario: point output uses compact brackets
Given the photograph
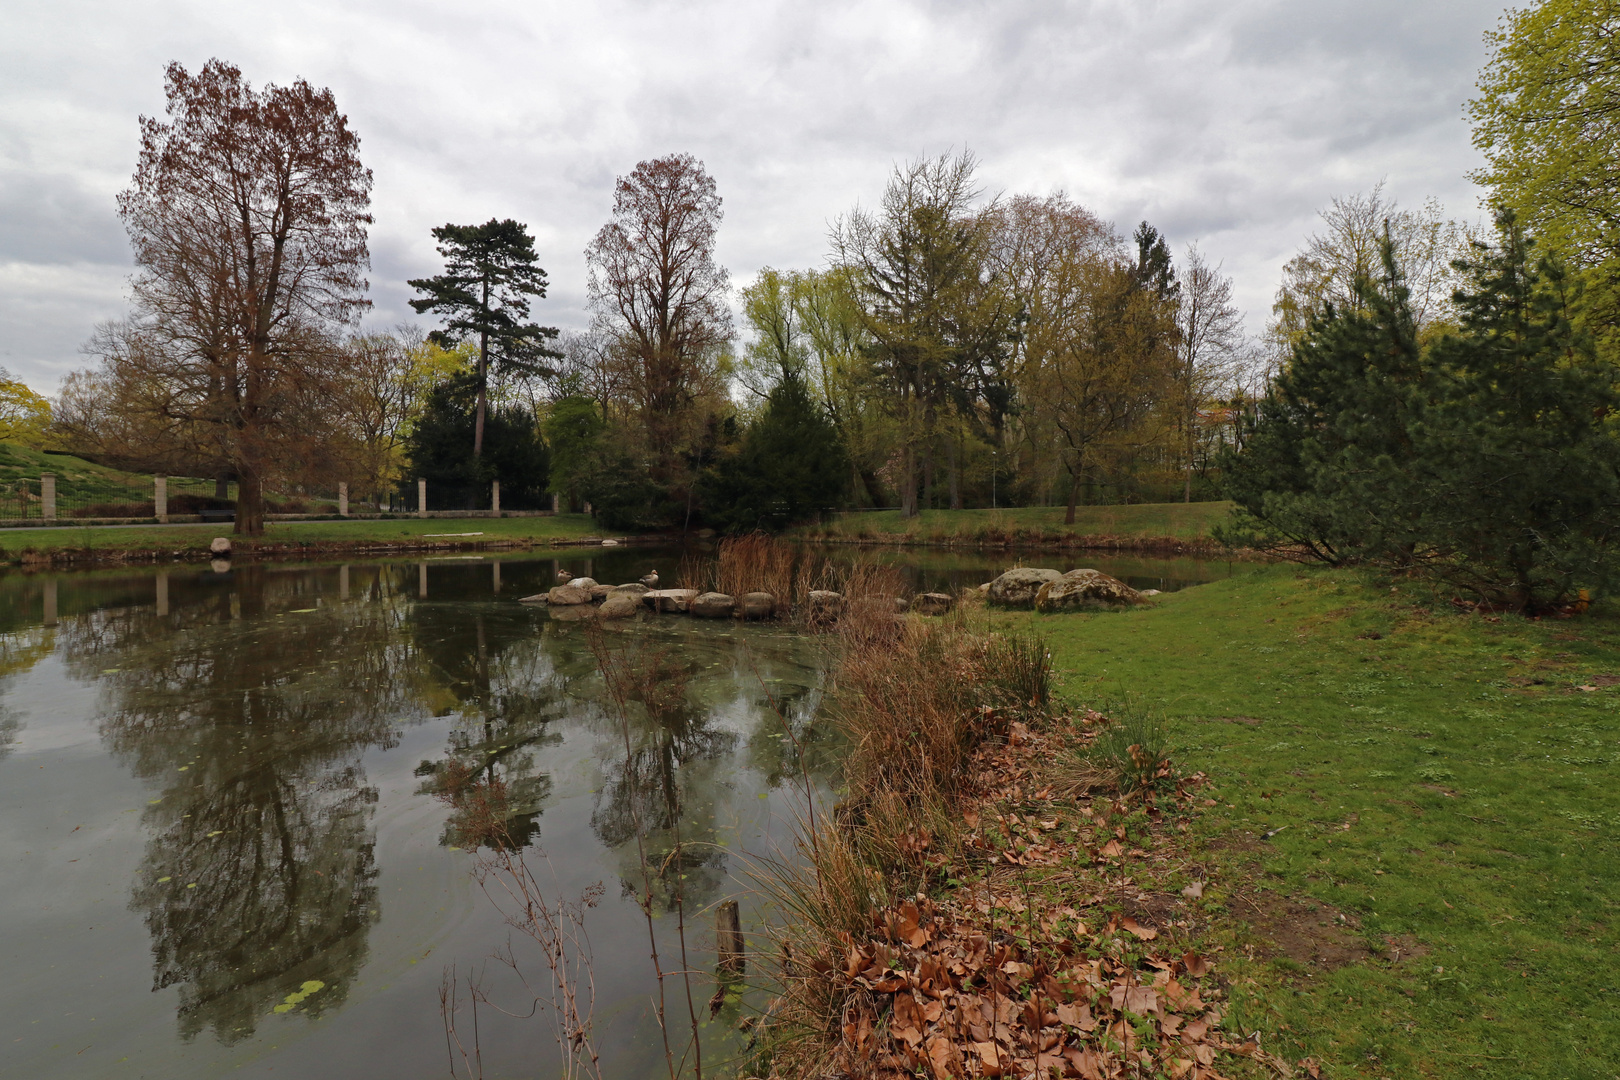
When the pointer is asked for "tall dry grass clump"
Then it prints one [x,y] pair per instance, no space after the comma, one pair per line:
[911,699]
[756,563]
[761,563]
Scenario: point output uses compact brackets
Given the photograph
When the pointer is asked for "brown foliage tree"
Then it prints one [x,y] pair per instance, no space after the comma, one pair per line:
[247,215]
[660,298]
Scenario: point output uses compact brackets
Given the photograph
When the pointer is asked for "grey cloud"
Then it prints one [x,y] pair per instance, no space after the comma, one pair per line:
[1227,124]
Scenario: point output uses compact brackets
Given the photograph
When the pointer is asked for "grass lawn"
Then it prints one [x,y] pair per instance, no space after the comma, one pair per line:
[280,533]
[1435,777]
[1184,521]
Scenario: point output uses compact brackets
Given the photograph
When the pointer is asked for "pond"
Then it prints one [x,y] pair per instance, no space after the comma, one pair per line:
[227,826]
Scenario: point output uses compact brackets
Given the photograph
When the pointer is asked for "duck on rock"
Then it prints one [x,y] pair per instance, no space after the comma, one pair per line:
[564,577]
[651,580]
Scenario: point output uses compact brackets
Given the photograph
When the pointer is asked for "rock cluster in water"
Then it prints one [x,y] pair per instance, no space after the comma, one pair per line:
[588,599]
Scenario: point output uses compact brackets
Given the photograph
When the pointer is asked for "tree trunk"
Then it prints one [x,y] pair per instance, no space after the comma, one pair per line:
[954,464]
[222,486]
[928,476]
[908,483]
[249,502]
[483,376]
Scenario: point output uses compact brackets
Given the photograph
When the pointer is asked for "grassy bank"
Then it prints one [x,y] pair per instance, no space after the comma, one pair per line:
[68,544]
[1443,782]
[1170,526]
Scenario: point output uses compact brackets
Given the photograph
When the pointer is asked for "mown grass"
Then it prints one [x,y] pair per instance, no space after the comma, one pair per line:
[1184,521]
[278,534]
[1432,774]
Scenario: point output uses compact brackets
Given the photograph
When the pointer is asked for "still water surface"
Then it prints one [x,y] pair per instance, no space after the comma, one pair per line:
[217,788]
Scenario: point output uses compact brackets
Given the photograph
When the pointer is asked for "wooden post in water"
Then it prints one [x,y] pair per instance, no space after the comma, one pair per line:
[343,582]
[50,601]
[729,939]
[497,568]
[421,580]
[163,594]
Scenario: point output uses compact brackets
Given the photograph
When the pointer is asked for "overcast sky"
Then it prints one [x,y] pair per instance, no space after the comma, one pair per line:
[1224,123]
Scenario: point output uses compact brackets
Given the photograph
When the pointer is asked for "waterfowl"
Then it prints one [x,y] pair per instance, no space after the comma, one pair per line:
[564,577]
[651,580]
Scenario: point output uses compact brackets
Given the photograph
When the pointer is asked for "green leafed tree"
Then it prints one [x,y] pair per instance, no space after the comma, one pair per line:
[491,273]
[574,428]
[1548,121]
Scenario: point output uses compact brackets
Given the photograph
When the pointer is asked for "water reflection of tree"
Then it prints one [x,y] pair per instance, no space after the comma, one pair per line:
[259,879]
[20,650]
[652,785]
[507,693]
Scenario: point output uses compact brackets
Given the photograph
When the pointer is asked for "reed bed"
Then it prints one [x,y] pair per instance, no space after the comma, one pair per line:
[912,700]
[761,563]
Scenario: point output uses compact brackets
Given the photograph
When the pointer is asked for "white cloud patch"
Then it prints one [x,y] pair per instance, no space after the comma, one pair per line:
[1229,125]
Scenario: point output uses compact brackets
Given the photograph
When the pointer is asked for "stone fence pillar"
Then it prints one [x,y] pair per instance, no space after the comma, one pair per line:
[421,497]
[47,496]
[495,497]
[160,499]
[343,498]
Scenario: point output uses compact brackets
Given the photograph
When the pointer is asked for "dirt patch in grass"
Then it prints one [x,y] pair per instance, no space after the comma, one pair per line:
[1307,931]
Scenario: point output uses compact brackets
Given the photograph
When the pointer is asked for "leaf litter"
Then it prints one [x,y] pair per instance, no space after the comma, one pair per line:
[1057,962]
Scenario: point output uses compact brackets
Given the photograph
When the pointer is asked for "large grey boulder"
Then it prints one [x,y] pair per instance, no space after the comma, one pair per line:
[583,583]
[825,605]
[670,600]
[600,592]
[619,606]
[1083,590]
[634,588]
[756,605]
[713,605]
[932,603]
[537,598]
[220,545]
[567,596]
[1017,588]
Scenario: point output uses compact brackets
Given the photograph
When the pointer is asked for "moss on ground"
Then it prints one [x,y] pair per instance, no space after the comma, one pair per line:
[1445,781]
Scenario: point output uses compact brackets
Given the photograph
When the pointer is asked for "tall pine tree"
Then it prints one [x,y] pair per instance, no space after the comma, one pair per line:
[490,273]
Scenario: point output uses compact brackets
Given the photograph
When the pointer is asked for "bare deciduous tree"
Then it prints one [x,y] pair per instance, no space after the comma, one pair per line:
[660,297]
[1211,342]
[247,215]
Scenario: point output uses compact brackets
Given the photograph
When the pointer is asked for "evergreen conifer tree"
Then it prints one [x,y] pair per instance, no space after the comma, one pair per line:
[789,466]
[439,448]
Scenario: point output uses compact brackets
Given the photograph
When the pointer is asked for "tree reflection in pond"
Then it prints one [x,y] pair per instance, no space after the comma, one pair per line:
[507,694]
[259,880]
[20,650]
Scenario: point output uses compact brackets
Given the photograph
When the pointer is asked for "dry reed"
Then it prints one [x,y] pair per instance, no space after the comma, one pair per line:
[912,699]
